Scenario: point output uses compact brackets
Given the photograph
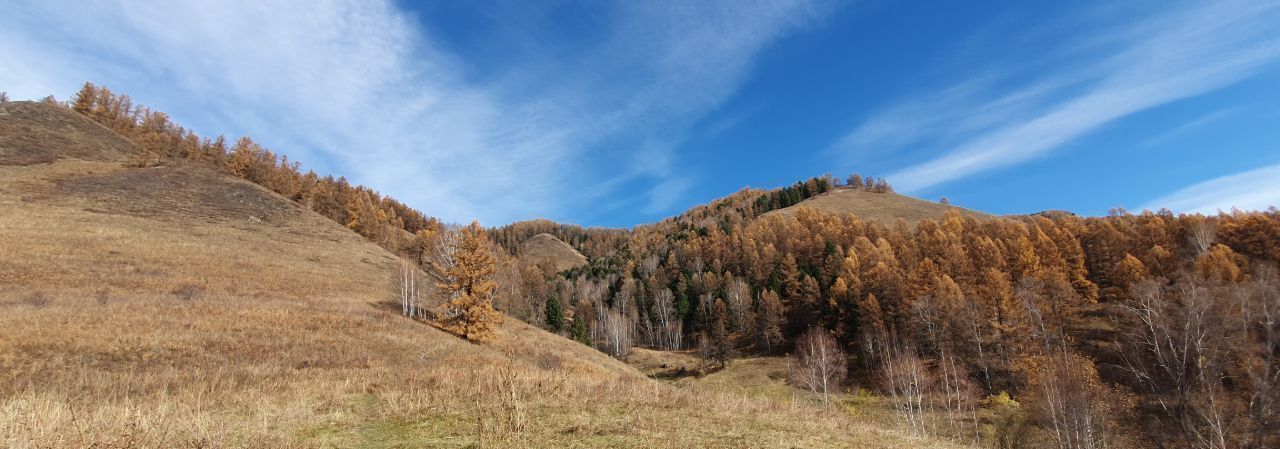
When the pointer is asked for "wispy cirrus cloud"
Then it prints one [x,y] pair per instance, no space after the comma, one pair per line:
[1188,127]
[359,88]
[1256,189]
[995,121]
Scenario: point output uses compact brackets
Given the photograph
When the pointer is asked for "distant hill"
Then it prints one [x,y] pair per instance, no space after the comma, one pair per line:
[547,249]
[880,207]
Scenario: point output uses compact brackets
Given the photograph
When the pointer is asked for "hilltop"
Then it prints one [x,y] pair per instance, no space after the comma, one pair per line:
[178,305]
[881,207]
[547,249]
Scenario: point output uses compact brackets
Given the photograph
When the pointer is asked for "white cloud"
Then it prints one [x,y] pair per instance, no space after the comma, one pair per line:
[664,194]
[356,88]
[1256,189]
[1184,53]
[1181,130]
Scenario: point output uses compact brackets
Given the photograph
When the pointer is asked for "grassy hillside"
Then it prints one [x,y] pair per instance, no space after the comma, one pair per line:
[177,306]
[546,249]
[879,207]
[35,133]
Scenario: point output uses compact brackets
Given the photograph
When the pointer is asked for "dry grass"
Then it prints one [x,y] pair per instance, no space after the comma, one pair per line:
[38,133]
[668,364]
[764,380]
[547,249]
[133,313]
[884,208]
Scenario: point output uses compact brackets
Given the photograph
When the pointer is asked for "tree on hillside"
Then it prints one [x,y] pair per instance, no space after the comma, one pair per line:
[854,181]
[1180,344]
[4,97]
[668,328]
[1128,272]
[438,250]
[85,98]
[555,315]
[1220,264]
[769,321]
[818,364]
[405,283]
[909,384]
[718,334]
[737,296]
[614,328]
[470,313]
[1067,394]
[578,331]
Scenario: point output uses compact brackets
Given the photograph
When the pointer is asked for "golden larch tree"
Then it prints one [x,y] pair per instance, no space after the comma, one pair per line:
[470,313]
[84,100]
[1128,272]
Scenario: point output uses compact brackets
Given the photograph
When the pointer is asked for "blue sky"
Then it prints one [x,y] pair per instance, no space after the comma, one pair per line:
[621,113]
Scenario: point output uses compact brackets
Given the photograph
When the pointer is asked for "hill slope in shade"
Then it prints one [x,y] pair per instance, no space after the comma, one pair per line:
[884,208]
[178,306]
[34,133]
[546,249]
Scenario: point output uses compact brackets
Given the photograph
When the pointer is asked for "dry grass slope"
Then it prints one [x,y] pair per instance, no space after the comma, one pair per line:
[883,208]
[178,307]
[547,249]
[35,133]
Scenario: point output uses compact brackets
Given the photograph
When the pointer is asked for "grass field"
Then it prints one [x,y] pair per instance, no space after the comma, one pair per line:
[178,307]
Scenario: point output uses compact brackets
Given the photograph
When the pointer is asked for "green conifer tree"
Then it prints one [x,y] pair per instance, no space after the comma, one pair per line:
[555,315]
[579,331]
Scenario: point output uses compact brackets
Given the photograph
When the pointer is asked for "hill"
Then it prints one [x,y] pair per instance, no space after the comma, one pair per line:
[180,306]
[880,207]
[546,249]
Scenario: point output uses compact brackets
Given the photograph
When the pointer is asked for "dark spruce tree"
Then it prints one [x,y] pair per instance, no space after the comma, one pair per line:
[555,315]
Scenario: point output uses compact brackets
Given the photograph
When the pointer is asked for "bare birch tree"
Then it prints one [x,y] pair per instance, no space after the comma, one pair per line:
[405,282]
[1069,396]
[1202,233]
[439,258]
[960,396]
[1260,322]
[818,365]
[612,327]
[1178,348]
[737,295]
[614,330]
[907,380]
[669,330]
